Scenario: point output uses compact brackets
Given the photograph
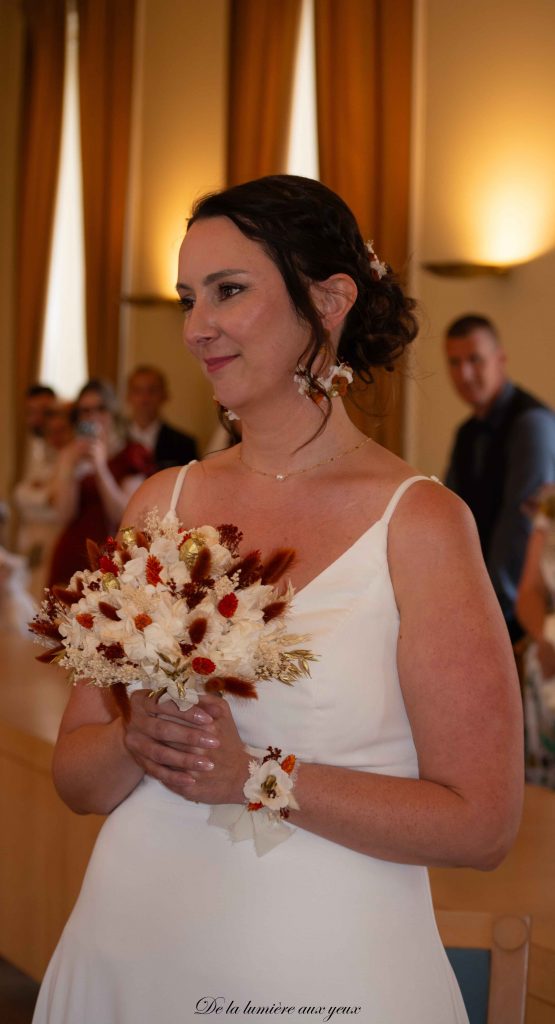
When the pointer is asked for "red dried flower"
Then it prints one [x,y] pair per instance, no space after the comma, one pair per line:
[108,610]
[112,652]
[193,593]
[230,537]
[271,611]
[277,564]
[186,649]
[204,666]
[254,807]
[65,595]
[152,570]
[142,620]
[249,569]
[288,763]
[228,605]
[111,545]
[197,630]
[106,564]
[201,568]
[85,619]
[45,628]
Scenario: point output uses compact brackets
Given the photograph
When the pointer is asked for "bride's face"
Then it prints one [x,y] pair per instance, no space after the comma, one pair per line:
[239,320]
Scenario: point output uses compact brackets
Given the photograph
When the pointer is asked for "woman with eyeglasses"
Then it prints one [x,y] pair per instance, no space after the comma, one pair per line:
[98,471]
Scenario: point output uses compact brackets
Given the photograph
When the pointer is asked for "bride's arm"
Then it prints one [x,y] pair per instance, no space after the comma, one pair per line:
[461,692]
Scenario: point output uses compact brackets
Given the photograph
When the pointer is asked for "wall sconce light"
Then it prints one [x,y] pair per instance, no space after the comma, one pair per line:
[461,269]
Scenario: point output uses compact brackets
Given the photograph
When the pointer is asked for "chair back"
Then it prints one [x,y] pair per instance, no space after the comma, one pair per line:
[469,936]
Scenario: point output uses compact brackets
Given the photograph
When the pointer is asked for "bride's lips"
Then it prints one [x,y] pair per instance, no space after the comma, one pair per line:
[217,362]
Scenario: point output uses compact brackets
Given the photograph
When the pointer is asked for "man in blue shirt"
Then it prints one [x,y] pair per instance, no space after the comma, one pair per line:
[502,455]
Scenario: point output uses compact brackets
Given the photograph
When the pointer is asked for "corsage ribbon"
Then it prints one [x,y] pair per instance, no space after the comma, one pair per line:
[269,794]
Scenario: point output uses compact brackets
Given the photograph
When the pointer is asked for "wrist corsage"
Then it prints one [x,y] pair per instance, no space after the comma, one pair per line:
[269,787]
[270,797]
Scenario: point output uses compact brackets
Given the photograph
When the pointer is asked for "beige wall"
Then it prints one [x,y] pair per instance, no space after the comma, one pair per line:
[484,172]
[486,74]
[10,68]
[178,153]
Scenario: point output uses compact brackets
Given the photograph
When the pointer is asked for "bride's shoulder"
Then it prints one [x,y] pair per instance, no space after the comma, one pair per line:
[430,521]
[155,492]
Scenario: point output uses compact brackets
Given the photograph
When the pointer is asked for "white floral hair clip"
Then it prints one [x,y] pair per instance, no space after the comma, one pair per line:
[378,268]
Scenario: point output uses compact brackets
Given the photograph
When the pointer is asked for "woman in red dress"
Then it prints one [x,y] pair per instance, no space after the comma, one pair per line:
[97,473]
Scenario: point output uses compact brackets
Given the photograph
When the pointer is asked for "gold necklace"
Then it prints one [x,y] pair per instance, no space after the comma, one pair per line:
[296,472]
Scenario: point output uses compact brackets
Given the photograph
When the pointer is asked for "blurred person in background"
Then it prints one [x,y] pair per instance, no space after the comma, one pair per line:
[38,402]
[33,498]
[147,392]
[97,473]
[17,606]
[502,455]
[535,604]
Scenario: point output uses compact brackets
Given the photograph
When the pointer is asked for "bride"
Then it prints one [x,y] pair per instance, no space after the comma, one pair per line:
[408,733]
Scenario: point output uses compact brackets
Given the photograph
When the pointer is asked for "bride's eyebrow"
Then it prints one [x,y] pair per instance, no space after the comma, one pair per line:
[210,278]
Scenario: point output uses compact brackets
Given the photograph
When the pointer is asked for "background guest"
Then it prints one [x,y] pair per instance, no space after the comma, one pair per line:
[502,454]
[96,474]
[39,400]
[16,604]
[534,607]
[147,392]
[38,518]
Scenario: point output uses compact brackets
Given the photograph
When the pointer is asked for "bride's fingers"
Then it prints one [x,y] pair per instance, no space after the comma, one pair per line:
[179,782]
[145,750]
[180,733]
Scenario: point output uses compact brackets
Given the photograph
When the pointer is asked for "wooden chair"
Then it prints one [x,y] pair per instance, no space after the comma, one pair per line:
[507,938]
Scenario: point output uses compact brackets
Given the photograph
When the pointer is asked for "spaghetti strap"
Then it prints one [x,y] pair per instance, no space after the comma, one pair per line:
[398,494]
[179,484]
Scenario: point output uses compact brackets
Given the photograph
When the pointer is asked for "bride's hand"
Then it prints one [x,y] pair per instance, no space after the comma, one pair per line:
[223,784]
[168,744]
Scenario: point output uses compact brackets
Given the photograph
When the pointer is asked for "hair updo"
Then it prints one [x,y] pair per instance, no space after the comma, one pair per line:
[310,233]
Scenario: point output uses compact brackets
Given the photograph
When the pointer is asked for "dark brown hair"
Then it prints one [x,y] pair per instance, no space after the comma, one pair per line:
[310,233]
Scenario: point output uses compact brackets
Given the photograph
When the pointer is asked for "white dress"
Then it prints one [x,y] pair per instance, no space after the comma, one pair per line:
[175,922]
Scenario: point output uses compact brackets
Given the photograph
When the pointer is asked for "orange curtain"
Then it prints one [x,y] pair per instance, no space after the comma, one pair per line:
[263,35]
[41,121]
[364,69]
[105,71]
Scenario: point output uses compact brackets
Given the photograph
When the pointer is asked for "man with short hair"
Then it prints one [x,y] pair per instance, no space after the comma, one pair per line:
[502,455]
[147,392]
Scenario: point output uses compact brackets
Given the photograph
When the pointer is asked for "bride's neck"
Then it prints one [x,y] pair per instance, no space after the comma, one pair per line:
[292,441]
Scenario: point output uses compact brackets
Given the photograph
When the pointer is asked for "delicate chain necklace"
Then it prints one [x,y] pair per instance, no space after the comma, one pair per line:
[296,472]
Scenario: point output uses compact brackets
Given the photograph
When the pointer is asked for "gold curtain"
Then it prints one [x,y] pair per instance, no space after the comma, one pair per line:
[41,121]
[263,35]
[363,68]
[105,71]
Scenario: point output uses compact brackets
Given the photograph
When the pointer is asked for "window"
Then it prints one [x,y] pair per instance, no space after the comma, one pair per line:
[63,356]
[302,157]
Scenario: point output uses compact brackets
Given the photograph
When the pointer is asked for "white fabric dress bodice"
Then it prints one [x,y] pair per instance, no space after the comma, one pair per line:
[173,915]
